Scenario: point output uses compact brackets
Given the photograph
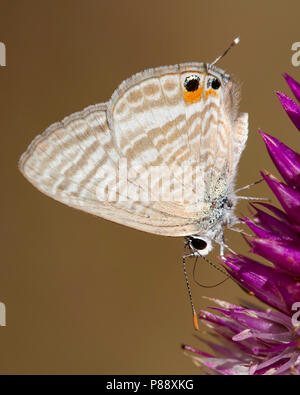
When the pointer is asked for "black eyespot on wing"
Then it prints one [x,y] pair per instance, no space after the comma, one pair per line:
[192,83]
[198,244]
[215,83]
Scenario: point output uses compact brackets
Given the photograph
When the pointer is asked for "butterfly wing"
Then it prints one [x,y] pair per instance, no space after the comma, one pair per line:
[155,124]
[148,122]
[224,132]
[66,163]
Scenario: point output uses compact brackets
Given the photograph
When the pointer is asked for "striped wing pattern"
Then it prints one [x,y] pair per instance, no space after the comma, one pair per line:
[148,122]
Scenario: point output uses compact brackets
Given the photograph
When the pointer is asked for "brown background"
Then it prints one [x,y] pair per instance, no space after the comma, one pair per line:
[84,295]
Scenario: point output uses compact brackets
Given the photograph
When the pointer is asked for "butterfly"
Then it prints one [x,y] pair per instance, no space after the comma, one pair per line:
[180,116]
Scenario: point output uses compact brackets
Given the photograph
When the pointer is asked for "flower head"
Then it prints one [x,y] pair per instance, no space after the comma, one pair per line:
[256,341]
[253,342]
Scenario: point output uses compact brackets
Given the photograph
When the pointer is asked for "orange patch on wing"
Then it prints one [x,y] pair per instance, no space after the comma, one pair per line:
[210,92]
[194,96]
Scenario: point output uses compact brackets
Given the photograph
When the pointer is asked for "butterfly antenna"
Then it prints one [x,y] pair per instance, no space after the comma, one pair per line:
[234,42]
[227,277]
[195,319]
[215,267]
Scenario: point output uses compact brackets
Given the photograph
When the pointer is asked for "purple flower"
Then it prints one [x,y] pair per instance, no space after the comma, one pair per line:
[254,341]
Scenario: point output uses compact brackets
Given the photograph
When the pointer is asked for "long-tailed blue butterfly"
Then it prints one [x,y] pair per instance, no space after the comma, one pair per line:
[176,117]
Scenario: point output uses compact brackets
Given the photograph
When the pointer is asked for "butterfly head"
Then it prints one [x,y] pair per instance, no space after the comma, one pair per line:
[209,83]
[199,246]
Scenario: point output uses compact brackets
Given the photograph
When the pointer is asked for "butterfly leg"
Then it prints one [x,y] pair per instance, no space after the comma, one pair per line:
[221,250]
[248,186]
[229,249]
[223,245]
[238,230]
[251,198]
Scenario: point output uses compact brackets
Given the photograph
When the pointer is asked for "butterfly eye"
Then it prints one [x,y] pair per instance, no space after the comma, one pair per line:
[215,83]
[198,244]
[192,83]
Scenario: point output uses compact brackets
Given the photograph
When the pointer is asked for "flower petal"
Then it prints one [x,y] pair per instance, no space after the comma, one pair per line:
[252,319]
[285,159]
[283,253]
[272,287]
[273,225]
[224,366]
[294,85]
[287,196]
[276,211]
[260,232]
[291,108]
[196,351]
